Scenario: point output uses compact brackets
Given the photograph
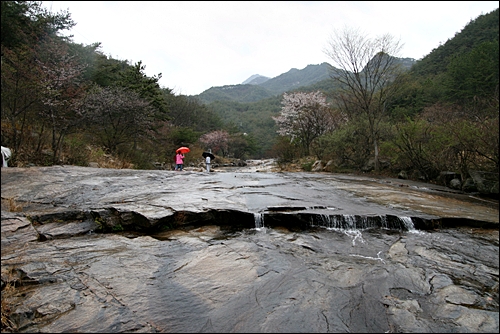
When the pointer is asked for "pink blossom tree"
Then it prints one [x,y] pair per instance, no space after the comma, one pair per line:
[217,141]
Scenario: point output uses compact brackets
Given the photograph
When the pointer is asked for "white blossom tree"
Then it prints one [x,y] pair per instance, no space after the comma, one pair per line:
[118,116]
[62,91]
[304,117]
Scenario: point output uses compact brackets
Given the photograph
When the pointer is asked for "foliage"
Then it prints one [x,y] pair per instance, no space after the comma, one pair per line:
[348,146]
[254,119]
[117,228]
[473,74]
[134,78]
[104,71]
[241,145]
[20,95]
[284,150]
[183,136]
[25,23]
[189,112]
[446,138]
[62,91]
[119,115]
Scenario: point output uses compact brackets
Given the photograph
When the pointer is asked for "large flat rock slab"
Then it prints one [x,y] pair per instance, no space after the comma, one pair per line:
[59,275]
[156,194]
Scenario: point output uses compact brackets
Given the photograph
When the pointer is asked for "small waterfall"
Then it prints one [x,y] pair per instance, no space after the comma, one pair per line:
[407,223]
[259,220]
[349,222]
[383,222]
[357,222]
[346,222]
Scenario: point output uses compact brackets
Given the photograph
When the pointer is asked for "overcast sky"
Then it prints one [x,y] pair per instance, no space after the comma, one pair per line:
[197,45]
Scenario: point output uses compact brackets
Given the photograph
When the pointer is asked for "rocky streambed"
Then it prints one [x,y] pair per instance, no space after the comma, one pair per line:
[101,250]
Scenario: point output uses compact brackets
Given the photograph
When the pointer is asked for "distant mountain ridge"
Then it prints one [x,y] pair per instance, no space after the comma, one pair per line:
[255,79]
[258,87]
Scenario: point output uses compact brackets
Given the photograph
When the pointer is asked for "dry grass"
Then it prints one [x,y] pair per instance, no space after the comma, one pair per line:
[8,292]
[13,205]
[104,160]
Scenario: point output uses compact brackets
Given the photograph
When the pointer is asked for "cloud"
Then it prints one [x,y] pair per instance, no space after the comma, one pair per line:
[200,44]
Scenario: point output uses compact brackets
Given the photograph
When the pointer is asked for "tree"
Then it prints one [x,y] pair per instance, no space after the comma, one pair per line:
[27,23]
[217,141]
[26,31]
[134,78]
[20,95]
[189,112]
[366,70]
[62,91]
[304,117]
[117,116]
[241,145]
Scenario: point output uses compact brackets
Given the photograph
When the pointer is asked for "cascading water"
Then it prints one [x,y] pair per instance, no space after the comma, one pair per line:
[259,220]
[354,222]
[347,222]
[407,223]
[383,222]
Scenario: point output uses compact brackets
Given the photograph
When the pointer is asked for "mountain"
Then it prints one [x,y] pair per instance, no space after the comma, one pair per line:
[258,87]
[297,78]
[255,79]
[238,93]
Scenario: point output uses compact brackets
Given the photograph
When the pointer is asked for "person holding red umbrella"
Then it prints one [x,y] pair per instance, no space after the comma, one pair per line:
[179,161]
[179,157]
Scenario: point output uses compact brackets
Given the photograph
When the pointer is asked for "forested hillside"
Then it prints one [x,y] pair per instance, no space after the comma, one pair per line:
[68,103]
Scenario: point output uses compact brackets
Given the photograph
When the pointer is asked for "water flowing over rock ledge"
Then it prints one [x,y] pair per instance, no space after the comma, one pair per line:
[72,223]
[144,200]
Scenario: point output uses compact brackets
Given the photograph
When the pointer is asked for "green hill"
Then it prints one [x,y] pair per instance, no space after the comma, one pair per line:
[239,93]
[295,78]
[483,29]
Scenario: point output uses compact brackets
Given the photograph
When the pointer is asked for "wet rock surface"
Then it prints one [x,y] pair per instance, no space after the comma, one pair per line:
[100,250]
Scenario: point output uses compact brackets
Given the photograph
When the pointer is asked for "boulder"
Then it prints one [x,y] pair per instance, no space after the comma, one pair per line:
[455,184]
[469,185]
[486,182]
[317,166]
[445,177]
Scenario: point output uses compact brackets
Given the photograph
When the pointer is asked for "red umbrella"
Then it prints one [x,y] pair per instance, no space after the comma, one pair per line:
[182,150]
